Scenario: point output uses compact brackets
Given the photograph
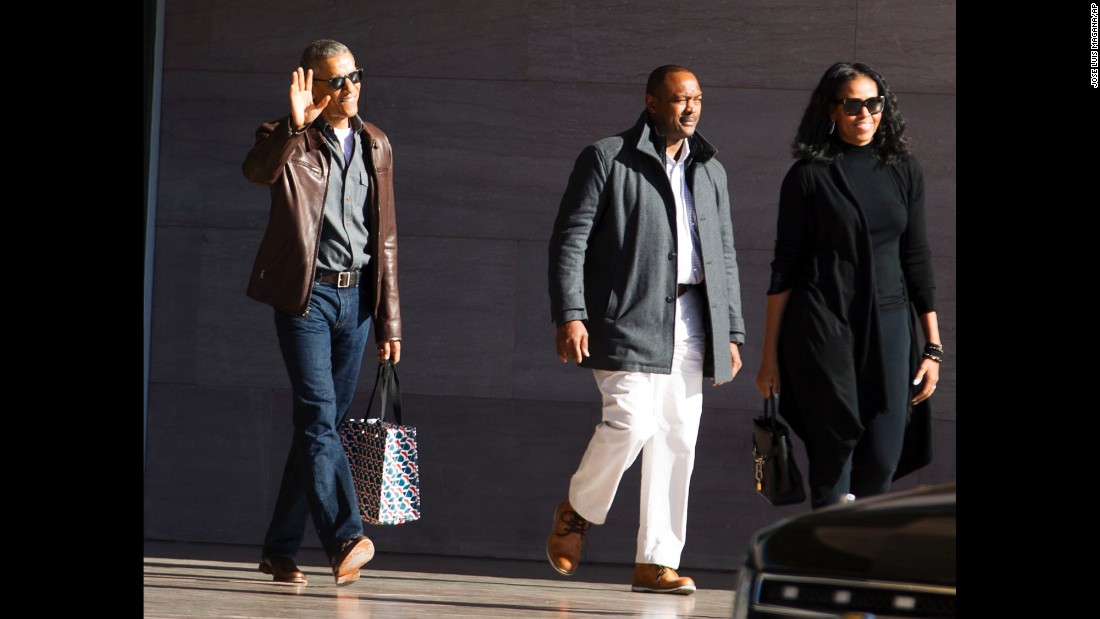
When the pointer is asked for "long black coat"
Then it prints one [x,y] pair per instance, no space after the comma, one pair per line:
[830,339]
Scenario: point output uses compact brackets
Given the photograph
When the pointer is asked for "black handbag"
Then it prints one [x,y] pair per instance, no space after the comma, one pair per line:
[778,478]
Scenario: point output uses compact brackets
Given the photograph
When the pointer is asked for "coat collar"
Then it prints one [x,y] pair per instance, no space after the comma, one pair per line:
[652,143]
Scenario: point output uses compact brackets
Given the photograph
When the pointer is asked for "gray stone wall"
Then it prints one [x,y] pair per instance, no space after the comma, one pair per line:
[487,104]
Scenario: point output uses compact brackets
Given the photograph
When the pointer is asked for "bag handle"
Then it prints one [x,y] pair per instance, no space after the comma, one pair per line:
[771,408]
[391,390]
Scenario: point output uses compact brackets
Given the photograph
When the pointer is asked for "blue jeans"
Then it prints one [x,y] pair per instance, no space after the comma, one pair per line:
[323,352]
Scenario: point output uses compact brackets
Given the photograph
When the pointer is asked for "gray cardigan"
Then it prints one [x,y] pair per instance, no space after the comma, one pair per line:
[613,261]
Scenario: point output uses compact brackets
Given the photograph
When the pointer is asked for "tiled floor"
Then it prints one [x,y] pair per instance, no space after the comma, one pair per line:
[218,581]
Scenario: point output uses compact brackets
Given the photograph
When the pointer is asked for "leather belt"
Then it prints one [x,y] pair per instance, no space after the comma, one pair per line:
[342,279]
[682,288]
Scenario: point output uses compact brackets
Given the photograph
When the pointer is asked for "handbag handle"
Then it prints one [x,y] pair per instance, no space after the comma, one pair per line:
[771,408]
[391,390]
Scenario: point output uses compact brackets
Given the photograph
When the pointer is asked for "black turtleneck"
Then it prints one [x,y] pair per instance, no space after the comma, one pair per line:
[883,204]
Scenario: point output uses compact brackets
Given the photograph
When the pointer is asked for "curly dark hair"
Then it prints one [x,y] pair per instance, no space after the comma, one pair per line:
[815,143]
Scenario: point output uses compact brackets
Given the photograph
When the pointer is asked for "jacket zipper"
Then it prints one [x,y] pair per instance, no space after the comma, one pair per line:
[326,166]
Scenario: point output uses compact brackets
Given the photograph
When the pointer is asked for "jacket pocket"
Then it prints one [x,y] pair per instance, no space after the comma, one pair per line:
[308,167]
[617,294]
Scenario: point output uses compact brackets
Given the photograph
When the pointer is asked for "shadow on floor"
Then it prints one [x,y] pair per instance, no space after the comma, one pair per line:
[432,564]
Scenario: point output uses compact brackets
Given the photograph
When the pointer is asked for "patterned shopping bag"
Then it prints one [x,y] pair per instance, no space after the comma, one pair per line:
[383,457]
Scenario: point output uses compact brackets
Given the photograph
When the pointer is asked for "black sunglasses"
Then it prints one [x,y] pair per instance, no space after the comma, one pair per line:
[338,82]
[852,106]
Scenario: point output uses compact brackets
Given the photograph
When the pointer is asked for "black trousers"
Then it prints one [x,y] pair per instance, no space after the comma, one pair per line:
[870,468]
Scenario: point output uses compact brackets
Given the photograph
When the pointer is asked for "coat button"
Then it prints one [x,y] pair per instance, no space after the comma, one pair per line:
[671,255]
[670,299]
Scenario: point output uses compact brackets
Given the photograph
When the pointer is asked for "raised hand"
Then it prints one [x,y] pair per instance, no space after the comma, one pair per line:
[302,108]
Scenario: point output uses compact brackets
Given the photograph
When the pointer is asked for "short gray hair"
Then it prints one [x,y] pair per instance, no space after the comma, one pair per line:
[321,49]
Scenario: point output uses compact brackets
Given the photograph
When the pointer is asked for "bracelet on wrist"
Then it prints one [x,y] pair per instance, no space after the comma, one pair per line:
[933,352]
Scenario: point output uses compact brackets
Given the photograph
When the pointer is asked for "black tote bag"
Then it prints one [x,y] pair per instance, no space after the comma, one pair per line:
[778,478]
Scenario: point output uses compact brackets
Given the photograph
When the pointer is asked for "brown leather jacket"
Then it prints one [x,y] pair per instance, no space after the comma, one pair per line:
[296,168]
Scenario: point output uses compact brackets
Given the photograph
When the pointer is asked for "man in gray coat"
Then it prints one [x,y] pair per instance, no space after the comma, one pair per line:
[644,291]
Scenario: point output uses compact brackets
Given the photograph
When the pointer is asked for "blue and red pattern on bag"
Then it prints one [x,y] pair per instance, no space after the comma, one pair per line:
[385,466]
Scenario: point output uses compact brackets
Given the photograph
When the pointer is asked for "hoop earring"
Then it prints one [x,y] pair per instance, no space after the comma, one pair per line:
[832,126]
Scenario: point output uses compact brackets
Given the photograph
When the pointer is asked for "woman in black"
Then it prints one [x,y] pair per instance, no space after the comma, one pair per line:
[851,259]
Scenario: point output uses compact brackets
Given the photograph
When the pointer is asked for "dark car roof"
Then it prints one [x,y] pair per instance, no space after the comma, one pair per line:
[907,535]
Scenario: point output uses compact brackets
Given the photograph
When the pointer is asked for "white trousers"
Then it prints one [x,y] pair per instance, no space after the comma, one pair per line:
[658,415]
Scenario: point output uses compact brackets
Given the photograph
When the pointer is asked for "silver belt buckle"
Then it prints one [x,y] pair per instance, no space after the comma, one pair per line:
[343,279]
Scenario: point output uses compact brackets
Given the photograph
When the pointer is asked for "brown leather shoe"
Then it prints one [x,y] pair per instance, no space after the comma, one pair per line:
[563,547]
[282,569]
[650,578]
[353,554]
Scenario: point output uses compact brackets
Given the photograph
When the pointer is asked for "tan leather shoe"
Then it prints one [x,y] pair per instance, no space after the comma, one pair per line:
[282,569]
[650,578]
[353,554]
[563,547]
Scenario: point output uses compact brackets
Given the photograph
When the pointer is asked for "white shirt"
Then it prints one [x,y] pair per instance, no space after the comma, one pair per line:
[689,264]
[346,142]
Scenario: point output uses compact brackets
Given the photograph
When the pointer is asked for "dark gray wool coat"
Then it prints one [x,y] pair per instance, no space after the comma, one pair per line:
[613,253]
